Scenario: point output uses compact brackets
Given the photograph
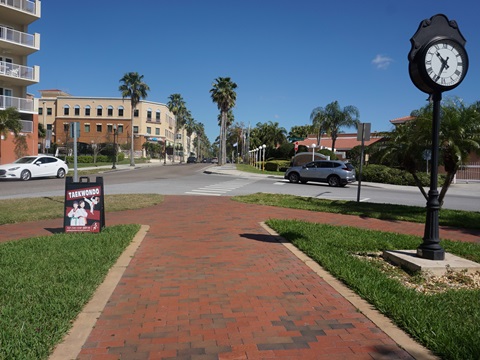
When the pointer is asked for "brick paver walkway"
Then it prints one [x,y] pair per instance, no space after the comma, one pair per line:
[208,282]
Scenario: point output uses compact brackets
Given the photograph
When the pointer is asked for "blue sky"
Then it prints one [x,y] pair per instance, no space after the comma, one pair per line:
[286,56]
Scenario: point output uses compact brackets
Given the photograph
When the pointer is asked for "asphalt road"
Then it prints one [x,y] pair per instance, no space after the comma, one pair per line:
[208,180]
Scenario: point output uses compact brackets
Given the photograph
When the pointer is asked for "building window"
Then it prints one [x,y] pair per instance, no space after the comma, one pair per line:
[120,111]
[66,127]
[49,111]
[135,129]
[149,115]
[149,130]
[109,128]
[157,116]
[157,131]
[87,110]
[120,129]
[66,110]
[135,113]
[49,127]
[99,110]
[86,128]
[77,110]
[99,127]
[40,111]
[110,111]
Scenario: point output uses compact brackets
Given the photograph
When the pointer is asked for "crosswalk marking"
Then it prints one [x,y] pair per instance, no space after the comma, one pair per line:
[220,188]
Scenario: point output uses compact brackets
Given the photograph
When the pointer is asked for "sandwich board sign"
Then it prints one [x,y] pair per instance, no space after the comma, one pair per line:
[84,206]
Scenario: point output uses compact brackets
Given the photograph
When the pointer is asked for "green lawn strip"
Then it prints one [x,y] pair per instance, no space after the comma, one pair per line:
[447,217]
[46,281]
[446,323]
[33,209]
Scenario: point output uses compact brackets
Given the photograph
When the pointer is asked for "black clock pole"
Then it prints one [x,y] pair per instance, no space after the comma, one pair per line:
[430,248]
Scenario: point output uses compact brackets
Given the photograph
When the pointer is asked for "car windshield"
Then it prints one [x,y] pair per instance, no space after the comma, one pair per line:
[25,160]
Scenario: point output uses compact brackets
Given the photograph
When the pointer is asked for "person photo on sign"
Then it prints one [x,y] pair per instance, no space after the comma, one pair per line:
[78,215]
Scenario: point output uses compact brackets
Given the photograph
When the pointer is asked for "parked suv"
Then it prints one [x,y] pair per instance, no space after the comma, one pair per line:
[333,172]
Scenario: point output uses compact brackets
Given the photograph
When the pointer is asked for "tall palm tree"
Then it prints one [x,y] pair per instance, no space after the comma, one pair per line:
[336,117]
[178,108]
[134,88]
[190,127]
[224,95]
[319,120]
[9,121]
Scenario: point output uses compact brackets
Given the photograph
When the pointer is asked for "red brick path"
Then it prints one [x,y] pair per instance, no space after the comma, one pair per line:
[208,282]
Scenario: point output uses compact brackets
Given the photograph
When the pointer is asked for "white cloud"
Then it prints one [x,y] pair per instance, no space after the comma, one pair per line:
[382,62]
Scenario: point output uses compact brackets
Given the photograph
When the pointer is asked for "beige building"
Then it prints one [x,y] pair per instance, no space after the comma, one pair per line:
[99,118]
[16,44]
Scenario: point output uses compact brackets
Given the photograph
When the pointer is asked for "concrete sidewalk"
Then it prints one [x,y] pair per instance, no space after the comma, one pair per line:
[209,281]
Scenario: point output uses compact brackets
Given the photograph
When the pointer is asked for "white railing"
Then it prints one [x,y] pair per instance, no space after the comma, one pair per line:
[21,104]
[469,172]
[24,5]
[18,71]
[17,37]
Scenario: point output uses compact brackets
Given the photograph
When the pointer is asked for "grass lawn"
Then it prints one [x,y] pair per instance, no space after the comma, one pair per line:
[46,281]
[446,322]
[32,209]
[447,217]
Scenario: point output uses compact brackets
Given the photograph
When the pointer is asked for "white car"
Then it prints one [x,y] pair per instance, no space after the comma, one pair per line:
[29,167]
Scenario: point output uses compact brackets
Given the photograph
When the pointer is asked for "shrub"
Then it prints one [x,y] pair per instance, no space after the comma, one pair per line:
[277,165]
[394,176]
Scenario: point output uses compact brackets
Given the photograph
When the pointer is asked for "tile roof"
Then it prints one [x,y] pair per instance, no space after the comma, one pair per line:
[344,141]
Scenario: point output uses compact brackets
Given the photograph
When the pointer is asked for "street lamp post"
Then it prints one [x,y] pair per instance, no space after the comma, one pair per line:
[263,162]
[258,157]
[313,152]
[114,146]
[165,152]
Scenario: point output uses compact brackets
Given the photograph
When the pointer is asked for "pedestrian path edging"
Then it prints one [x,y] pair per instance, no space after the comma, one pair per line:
[72,344]
[416,350]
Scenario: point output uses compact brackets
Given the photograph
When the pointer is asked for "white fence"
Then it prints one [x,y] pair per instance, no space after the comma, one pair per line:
[469,172]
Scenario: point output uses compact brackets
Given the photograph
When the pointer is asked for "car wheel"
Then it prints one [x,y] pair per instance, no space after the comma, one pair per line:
[334,180]
[294,178]
[61,173]
[25,175]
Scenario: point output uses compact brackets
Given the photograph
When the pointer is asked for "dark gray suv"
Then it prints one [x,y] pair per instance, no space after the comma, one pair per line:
[333,172]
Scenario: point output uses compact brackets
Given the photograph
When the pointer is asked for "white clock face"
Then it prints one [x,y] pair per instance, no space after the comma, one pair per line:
[445,63]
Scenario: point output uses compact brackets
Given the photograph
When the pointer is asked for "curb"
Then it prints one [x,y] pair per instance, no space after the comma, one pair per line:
[72,343]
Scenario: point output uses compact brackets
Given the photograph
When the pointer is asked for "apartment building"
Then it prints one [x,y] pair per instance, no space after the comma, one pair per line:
[16,44]
[100,118]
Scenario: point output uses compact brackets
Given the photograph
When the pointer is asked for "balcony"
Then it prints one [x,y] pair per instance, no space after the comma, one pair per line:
[18,74]
[21,11]
[18,42]
[21,104]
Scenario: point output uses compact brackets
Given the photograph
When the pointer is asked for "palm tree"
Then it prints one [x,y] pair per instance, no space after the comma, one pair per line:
[224,95]
[9,121]
[299,132]
[459,135]
[319,120]
[134,88]
[336,117]
[190,127]
[178,108]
